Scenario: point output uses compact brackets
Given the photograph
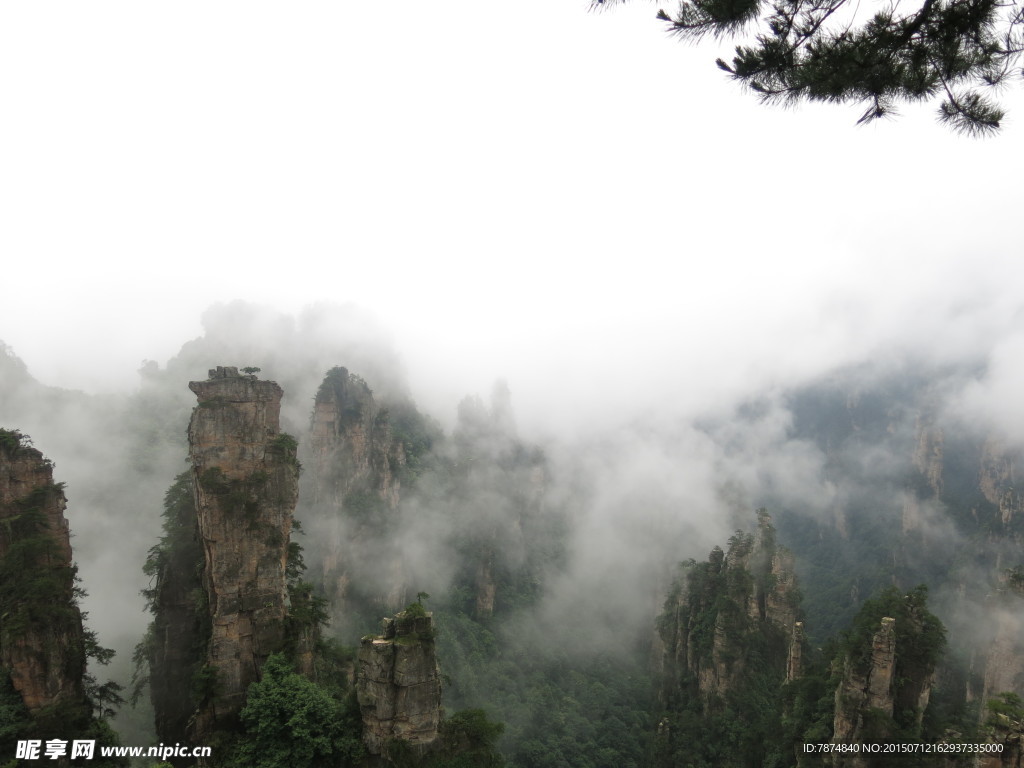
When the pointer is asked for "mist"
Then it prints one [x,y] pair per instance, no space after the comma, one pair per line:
[653,454]
[632,305]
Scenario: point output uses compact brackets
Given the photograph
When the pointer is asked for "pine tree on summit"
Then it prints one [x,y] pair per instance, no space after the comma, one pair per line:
[834,51]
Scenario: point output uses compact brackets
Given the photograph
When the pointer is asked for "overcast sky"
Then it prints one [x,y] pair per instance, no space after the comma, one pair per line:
[570,200]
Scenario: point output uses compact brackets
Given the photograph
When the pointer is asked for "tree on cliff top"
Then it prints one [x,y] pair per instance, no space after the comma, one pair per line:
[838,51]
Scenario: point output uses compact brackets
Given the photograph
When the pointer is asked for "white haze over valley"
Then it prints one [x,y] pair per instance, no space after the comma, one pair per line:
[647,485]
[441,198]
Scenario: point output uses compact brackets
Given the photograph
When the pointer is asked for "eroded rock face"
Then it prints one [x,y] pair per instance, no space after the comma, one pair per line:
[353,446]
[756,583]
[863,690]
[996,480]
[180,625]
[929,451]
[355,465]
[928,461]
[891,686]
[883,662]
[398,685]
[486,587]
[499,488]
[1010,736]
[1004,661]
[794,664]
[41,636]
[245,476]
[717,612]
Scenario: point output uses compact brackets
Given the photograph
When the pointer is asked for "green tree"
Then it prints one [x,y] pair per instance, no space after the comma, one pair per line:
[1008,705]
[876,55]
[470,741]
[291,722]
[14,717]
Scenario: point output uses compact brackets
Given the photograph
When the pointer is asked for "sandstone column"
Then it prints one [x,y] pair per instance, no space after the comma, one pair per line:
[41,636]
[246,485]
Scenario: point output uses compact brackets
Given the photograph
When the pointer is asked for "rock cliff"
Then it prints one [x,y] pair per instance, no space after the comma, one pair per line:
[863,690]
[180,631]
[794,662]
[1003,661]
[398,686]
[41,634]
[942,509]
[999,653]
[715,605]
[1009,735]
[498,487]
[354,450]
[728,627]
[927,463]
[996,480]
[245,476]
[356,463]
[1002,666]
[888,670]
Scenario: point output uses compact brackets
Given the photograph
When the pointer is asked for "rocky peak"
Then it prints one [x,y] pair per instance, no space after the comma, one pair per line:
[996,479]
[928,461]
[864,690]
[1003,656]
[356,462]
[27,475]
[749,588]
[235,420]
[929,450]
[492,463]
[888,666]
[728,627]
[794,665]
[398,684]
[354,450]
[245,477]
[883,661]
[41,635]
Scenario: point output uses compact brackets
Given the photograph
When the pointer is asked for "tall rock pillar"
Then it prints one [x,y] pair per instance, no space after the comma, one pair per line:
[356,461]
[399,686]
[41,636]
[245,477]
